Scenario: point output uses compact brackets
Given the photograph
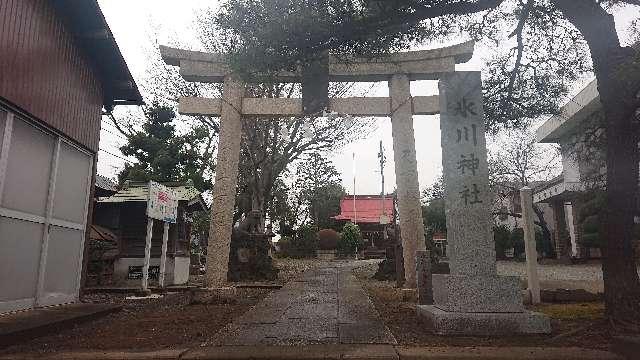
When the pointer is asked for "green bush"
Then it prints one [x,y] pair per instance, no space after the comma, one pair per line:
[306,241]
[350,240]
[328,239]
[517,239]
[591,240]
[544,247]
[590,224]
[302,245]
[591,232]
[502,238]
[285,247]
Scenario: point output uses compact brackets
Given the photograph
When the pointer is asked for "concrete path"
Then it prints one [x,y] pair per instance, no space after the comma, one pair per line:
[325,305]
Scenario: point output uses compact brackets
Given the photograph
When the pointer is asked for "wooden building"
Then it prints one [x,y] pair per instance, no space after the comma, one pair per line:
[372,213]
[59,68]
[125,215]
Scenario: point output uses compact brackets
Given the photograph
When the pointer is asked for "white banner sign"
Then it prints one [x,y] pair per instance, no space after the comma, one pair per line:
[162,203]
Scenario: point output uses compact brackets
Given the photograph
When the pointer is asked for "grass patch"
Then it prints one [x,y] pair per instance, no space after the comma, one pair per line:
[578,311]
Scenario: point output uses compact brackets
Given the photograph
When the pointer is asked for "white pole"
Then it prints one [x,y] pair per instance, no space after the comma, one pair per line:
[163,256]
[147,256]
[526,201]
[355,212]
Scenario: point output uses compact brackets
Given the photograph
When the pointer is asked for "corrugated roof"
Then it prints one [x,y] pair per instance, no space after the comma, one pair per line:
[136,191]
[105,183]
[368,208]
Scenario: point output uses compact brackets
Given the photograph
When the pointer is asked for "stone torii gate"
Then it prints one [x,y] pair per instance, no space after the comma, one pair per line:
[398,69]
[472,299]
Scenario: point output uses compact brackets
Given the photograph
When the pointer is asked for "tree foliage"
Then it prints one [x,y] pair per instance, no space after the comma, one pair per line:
[165,155]
[433,213]
[303,244]
[516,159]
[350,239]
[316,192]
[538,53]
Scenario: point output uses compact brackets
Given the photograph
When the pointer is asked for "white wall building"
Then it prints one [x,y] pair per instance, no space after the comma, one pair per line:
[576,119]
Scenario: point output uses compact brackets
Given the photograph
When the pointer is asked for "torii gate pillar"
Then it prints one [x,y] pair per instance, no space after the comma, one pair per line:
[406,166]
[224,188]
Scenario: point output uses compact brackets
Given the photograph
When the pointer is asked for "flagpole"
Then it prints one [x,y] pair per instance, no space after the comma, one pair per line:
[355,212]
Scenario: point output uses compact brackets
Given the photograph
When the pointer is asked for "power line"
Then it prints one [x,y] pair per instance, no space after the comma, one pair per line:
[114,134]
[117,156]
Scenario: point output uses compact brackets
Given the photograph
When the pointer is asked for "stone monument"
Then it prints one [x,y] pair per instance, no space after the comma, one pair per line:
[250,246]
[472,299]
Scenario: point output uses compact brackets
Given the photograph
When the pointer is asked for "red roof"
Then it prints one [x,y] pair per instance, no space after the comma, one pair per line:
[368,208]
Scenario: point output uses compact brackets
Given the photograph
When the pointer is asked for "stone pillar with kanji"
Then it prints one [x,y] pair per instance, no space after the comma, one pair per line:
[472,299]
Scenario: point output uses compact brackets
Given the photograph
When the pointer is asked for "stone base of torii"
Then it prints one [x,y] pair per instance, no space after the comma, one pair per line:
[473,299]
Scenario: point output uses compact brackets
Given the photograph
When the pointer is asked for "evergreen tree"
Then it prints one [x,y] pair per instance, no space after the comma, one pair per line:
[164,155]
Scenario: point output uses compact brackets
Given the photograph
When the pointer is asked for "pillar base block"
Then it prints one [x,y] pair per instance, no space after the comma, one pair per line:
[483,324]
[477,293]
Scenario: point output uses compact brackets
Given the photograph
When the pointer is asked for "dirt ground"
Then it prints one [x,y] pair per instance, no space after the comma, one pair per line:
[154,324]
[580,324]
[166,323]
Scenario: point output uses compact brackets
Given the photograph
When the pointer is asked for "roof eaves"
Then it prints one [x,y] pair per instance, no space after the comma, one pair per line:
[85,20]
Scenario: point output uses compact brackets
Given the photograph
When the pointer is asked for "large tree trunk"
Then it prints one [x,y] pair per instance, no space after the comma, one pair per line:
[258,204]
[618,89]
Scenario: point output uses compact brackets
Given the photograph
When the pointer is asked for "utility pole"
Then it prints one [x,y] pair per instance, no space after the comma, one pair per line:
[383,160]
[355,212]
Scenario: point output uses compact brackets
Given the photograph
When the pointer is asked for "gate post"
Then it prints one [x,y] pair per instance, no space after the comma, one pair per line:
[224,188]
[533,282]
[406,166]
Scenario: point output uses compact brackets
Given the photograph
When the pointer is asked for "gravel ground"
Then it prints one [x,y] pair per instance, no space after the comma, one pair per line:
[582,272]
[560,276]
[169,322]
[290,268]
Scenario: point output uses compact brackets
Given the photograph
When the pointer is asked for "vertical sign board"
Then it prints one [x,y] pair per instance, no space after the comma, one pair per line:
[162,205]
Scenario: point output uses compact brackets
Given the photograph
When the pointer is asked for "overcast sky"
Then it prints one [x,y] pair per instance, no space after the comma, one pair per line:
[134,25]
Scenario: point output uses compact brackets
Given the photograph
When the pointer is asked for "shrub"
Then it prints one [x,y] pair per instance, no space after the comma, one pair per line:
[307,239]
[328,239]
[503,241]
[590,231]
[517,239]
[350,239]
[285,246]
[302,245]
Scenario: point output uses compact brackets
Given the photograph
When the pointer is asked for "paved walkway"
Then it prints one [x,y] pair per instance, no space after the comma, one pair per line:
[325,305]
